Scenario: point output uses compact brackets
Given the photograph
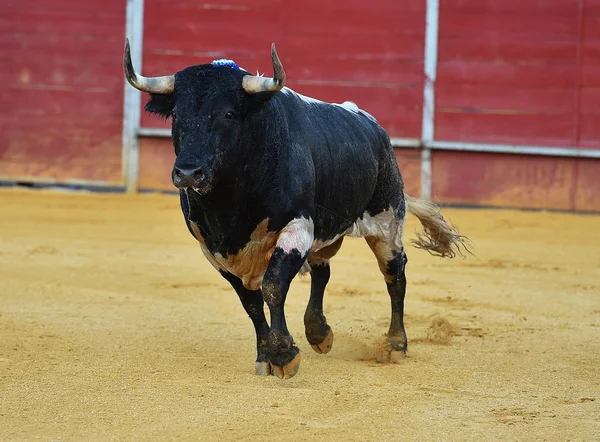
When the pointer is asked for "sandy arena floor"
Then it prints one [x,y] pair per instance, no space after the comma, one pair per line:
[114,326]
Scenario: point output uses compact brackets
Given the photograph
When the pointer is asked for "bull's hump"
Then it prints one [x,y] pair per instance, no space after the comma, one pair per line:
[349,106]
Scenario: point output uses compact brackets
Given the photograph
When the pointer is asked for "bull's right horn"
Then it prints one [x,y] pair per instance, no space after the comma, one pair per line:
[254,84]
[154,85]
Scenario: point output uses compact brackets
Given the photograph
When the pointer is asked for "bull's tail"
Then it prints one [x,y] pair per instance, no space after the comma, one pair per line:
[439,237]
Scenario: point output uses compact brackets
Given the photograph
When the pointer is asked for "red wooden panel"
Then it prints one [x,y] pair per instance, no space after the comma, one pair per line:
[61,73]
[507,50]
[503,99]
[321,19]
[589,130]
[591,23]
[156,162]
[587,194]
[590,65]
[511,128]
[494,6]
[591,6]
[509,72]
[517,23]
[52,22]
[590,101]
[504,180]
[334,51]
[589,109]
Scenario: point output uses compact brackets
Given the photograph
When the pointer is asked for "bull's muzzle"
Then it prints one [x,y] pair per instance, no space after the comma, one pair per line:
[188,177]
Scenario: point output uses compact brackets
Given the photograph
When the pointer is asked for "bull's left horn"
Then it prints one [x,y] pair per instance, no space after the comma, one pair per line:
[154,85]
[254,85]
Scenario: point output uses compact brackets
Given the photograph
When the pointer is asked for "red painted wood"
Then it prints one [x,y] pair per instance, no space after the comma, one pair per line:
[334,51]
[519,23]
[510,6]
[520,72]
[499,99]
[61,74]
[504,180]
[156,162]
[492,73]
[587,196]
[591,22]
[506,128]
[507,50]
[508,72]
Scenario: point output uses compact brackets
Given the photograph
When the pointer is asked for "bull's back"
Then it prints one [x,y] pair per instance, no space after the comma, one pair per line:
[348,149]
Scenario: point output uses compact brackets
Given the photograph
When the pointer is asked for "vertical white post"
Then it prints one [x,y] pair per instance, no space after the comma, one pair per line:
[427,129]
[134,31]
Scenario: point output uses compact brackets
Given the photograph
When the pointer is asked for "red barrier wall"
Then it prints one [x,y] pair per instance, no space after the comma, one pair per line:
[523,72]
[61,110]
[518,72]
[334,51]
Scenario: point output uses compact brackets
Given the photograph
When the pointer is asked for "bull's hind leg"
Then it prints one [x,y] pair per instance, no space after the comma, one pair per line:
[392,262]
[253,303]
[318,332]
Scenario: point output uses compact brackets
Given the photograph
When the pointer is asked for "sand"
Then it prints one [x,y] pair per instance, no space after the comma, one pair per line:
[114,326]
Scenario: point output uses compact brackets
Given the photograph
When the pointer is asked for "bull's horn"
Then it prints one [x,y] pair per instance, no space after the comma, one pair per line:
[154,85]
[253,85]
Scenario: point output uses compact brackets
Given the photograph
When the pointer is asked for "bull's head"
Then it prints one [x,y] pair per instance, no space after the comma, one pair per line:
[209,106]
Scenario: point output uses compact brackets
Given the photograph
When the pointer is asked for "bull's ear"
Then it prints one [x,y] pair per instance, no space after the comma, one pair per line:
[162,105]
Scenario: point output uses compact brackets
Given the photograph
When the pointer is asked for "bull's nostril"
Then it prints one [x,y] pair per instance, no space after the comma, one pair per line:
[178,173]
[198,174]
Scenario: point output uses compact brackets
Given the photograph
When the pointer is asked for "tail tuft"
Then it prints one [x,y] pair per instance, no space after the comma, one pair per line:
[439,237]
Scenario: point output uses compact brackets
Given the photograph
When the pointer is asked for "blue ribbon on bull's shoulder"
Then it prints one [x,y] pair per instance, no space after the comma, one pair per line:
[225,62]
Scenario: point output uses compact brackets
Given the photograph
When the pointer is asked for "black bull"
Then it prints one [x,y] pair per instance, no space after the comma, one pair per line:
[270,183]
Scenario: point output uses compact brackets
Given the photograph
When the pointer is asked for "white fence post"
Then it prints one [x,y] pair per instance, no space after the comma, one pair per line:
[134,31]
[428,127]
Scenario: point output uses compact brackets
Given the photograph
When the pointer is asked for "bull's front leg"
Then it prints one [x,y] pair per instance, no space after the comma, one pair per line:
[252,300]
[292,247]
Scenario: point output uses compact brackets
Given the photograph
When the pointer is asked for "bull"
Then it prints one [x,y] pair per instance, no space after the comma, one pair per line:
[270,184]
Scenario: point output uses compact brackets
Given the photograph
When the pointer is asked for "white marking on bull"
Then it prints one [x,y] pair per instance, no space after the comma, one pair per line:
[384,225]
[298,235]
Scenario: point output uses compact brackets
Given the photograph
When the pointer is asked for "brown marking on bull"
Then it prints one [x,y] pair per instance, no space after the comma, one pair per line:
[196,231]
[323,255]
[250,263]
[384,255]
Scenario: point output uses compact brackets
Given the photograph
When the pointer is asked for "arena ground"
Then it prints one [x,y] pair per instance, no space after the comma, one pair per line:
[114,326]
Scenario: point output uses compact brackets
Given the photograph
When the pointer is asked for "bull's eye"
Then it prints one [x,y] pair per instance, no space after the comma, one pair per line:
[229,115]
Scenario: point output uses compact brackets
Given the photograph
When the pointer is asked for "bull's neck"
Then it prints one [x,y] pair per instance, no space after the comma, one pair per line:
[241,191]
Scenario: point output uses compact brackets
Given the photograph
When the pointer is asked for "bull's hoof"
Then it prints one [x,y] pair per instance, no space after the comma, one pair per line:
[288,370]
[386,356]
[325,345]
[262,369]
[393,351]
